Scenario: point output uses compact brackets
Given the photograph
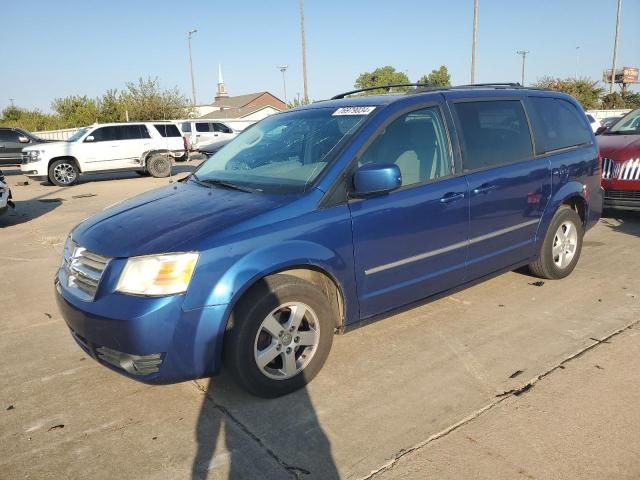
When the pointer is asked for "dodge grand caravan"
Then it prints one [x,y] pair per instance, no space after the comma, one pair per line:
[325,217]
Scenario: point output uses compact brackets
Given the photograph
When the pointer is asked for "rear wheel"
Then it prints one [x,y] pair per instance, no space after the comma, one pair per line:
[562,245]
[159,165]
[63,173]
[279,336]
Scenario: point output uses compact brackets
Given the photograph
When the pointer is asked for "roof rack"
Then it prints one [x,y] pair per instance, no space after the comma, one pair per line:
[427,88]
[389,86]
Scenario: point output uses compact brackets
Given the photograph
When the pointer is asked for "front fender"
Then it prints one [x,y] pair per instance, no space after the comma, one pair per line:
[246,270]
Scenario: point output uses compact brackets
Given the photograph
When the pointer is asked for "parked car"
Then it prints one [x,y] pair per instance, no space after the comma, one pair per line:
[12,141]
[212,134]
[5,195]
[620,151]
[325,217]
[145,147]
[595,123]
[609,121]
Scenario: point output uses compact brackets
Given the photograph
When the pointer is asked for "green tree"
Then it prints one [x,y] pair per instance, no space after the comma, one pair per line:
[32,120]
[584,90]
[76,111]
[437,78]
[111,108]
[298,101]
[625,99]
[381,77]
[145,100]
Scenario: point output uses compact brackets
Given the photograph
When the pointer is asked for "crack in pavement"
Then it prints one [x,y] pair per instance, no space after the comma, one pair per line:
[499,399]
[293,471]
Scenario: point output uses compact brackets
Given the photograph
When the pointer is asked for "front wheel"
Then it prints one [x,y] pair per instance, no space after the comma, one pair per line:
[279,336]
[562,245]
[63,173]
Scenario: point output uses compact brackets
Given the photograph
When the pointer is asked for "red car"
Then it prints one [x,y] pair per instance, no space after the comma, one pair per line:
[620,152]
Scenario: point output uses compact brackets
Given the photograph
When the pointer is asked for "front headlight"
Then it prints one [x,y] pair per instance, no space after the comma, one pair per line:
[34,155]
[157,275]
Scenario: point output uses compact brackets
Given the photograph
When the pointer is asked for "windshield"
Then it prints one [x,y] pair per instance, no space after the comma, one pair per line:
[628,125]
[284,153]
[78,134]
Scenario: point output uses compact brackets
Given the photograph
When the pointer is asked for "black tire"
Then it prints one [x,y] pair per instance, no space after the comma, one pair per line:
[143,173]
[159,165]
[245,332]
[546,266]
[63,172]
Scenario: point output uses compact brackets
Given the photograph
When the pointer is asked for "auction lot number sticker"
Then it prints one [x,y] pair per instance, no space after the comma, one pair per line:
[353,111]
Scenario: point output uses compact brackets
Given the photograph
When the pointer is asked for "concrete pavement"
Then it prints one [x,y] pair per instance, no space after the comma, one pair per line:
[393,400]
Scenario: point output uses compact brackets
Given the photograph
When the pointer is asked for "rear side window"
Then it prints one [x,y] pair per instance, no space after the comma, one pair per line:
[132,132]
[493,133]
[557,124]
[186,127]
[203,127]
[219,127]
[168,130]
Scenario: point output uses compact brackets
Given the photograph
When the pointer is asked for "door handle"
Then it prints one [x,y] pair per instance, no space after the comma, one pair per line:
[484,189]
[451,197]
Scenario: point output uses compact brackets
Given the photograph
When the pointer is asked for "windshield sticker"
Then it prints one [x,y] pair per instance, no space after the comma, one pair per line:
[353,111]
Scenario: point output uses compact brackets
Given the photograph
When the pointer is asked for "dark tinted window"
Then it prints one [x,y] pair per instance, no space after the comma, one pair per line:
[105,134]
[417,143]
[132,132]
[219,127]
[168,130]
[493,133]
[202,127]
[557,124]
[8,136]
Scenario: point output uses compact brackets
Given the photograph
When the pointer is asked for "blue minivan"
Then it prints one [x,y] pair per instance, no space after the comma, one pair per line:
[326,217]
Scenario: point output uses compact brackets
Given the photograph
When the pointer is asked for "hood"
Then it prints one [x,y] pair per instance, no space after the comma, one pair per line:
[170,219]
[619,147]
[50,146]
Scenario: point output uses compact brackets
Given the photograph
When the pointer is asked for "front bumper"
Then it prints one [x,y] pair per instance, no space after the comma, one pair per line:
[622,199]
[34,169]
[151,340]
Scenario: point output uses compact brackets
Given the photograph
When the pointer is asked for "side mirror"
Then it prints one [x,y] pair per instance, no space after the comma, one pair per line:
[23,139]
[89,139]
[376,178]
[601,130]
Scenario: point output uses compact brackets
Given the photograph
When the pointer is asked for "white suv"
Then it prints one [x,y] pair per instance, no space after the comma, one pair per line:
[206,132]
[145,147]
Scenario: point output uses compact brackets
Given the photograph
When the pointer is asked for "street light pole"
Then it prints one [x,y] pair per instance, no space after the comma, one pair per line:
[193,84]
[473,41]
[577,60]
[304,52]
[615,48]
[283,68]
[524,54]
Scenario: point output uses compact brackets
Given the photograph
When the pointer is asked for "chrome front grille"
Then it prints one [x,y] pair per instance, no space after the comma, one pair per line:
[83,270]
[629,170]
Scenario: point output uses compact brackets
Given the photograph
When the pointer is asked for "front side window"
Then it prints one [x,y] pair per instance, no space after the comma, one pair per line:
[557,124]
[105,134]
[284,153]
[628,125]
[493,133]
[417,143]
[8,136]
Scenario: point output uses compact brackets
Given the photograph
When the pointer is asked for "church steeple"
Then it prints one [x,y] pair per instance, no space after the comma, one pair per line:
[222,92]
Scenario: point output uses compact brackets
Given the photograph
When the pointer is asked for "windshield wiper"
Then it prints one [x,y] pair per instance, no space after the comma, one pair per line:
[221,183]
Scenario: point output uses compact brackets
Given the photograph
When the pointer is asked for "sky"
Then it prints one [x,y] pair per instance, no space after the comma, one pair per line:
[54,49]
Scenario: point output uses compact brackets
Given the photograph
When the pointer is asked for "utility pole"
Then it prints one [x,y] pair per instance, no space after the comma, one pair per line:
[193,84]
[304,52]
[615,48]
[524,54]
[283,68]
[11,100]
[577,61]
[473,41]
